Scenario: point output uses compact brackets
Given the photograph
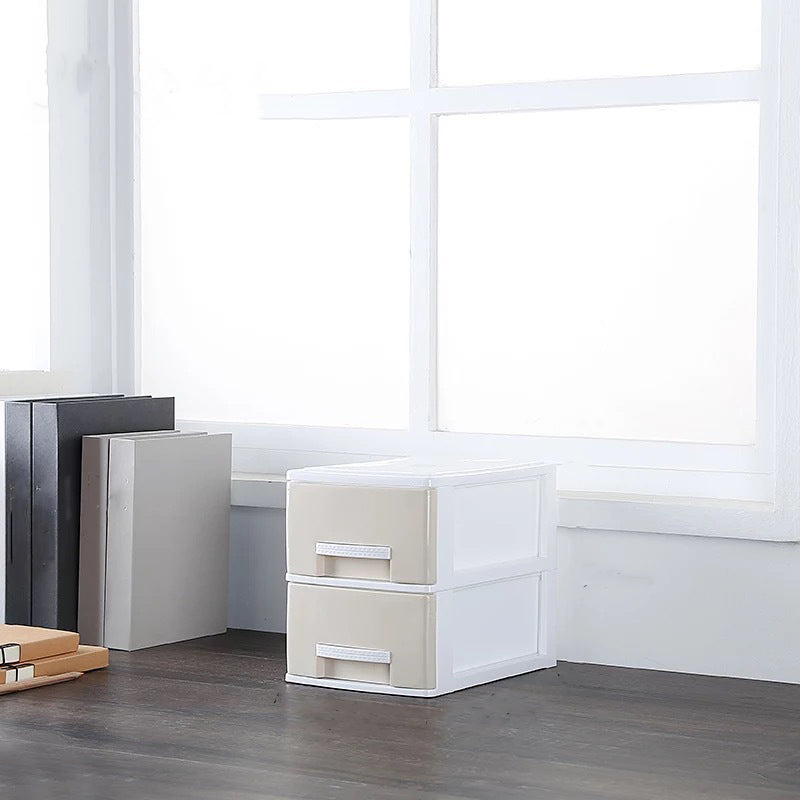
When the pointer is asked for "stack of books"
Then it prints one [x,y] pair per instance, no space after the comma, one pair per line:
[31,657]
[117,525]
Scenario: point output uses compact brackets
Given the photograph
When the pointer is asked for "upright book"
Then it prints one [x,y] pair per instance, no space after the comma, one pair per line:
[94,531]
[18,503]
[58,431]
[168,539]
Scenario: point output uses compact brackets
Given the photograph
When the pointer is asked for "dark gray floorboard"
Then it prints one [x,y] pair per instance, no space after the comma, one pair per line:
[213,719]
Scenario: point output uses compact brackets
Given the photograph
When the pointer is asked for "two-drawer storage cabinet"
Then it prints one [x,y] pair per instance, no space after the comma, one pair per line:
[420,579]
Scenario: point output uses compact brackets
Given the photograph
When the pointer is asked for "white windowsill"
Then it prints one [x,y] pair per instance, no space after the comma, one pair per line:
[258,490]
[727,519]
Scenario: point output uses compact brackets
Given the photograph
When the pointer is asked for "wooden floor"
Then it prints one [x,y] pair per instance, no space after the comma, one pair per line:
[213,719]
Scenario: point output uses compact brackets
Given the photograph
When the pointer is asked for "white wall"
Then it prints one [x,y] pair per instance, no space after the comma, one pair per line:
[679,603]
[715,606]
[257,589]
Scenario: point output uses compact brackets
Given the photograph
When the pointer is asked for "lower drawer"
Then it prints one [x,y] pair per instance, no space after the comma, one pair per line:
[358,635]
[420,644]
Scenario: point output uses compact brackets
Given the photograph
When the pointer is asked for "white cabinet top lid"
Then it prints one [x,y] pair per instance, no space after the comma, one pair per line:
[420,473]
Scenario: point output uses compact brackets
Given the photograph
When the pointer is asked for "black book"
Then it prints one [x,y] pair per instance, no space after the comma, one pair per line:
[18,456]
[58,431]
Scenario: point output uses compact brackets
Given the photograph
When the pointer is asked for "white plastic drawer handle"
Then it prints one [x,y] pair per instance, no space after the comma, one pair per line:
[354,654]
[354,550]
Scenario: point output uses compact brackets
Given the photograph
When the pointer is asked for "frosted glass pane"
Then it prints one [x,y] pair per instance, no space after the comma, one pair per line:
[507,41]
[24,187]
[597,272]
[275,46]
[275,269]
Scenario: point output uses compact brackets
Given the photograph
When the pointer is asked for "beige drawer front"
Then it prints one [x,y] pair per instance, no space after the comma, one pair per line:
[360,635]
[361,532]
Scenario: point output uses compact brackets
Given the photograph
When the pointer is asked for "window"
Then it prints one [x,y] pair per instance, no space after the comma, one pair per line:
[275,266]
[510,41]
[540,230]
[24,188]
[611,256]
[56,198]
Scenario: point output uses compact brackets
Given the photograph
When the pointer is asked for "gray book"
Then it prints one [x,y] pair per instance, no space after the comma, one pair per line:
[18,505]
[94,531]
[168,539]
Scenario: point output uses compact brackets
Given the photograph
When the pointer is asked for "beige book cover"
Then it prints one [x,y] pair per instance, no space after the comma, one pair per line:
[84,659]
[26,643]
[168,539]
[94,529]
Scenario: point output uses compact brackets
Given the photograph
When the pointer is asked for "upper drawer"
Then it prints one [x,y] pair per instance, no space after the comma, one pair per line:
[440,537]
[370,533]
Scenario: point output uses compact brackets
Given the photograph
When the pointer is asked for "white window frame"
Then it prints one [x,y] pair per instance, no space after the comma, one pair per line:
[761,482]
[81,203]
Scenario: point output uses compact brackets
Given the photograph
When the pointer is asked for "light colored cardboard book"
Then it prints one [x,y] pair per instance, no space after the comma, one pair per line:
[93,530]
[26,643]
[168,539]
[84,659]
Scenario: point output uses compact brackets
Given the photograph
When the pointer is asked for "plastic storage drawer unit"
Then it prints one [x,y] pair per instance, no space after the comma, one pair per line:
[412,578]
